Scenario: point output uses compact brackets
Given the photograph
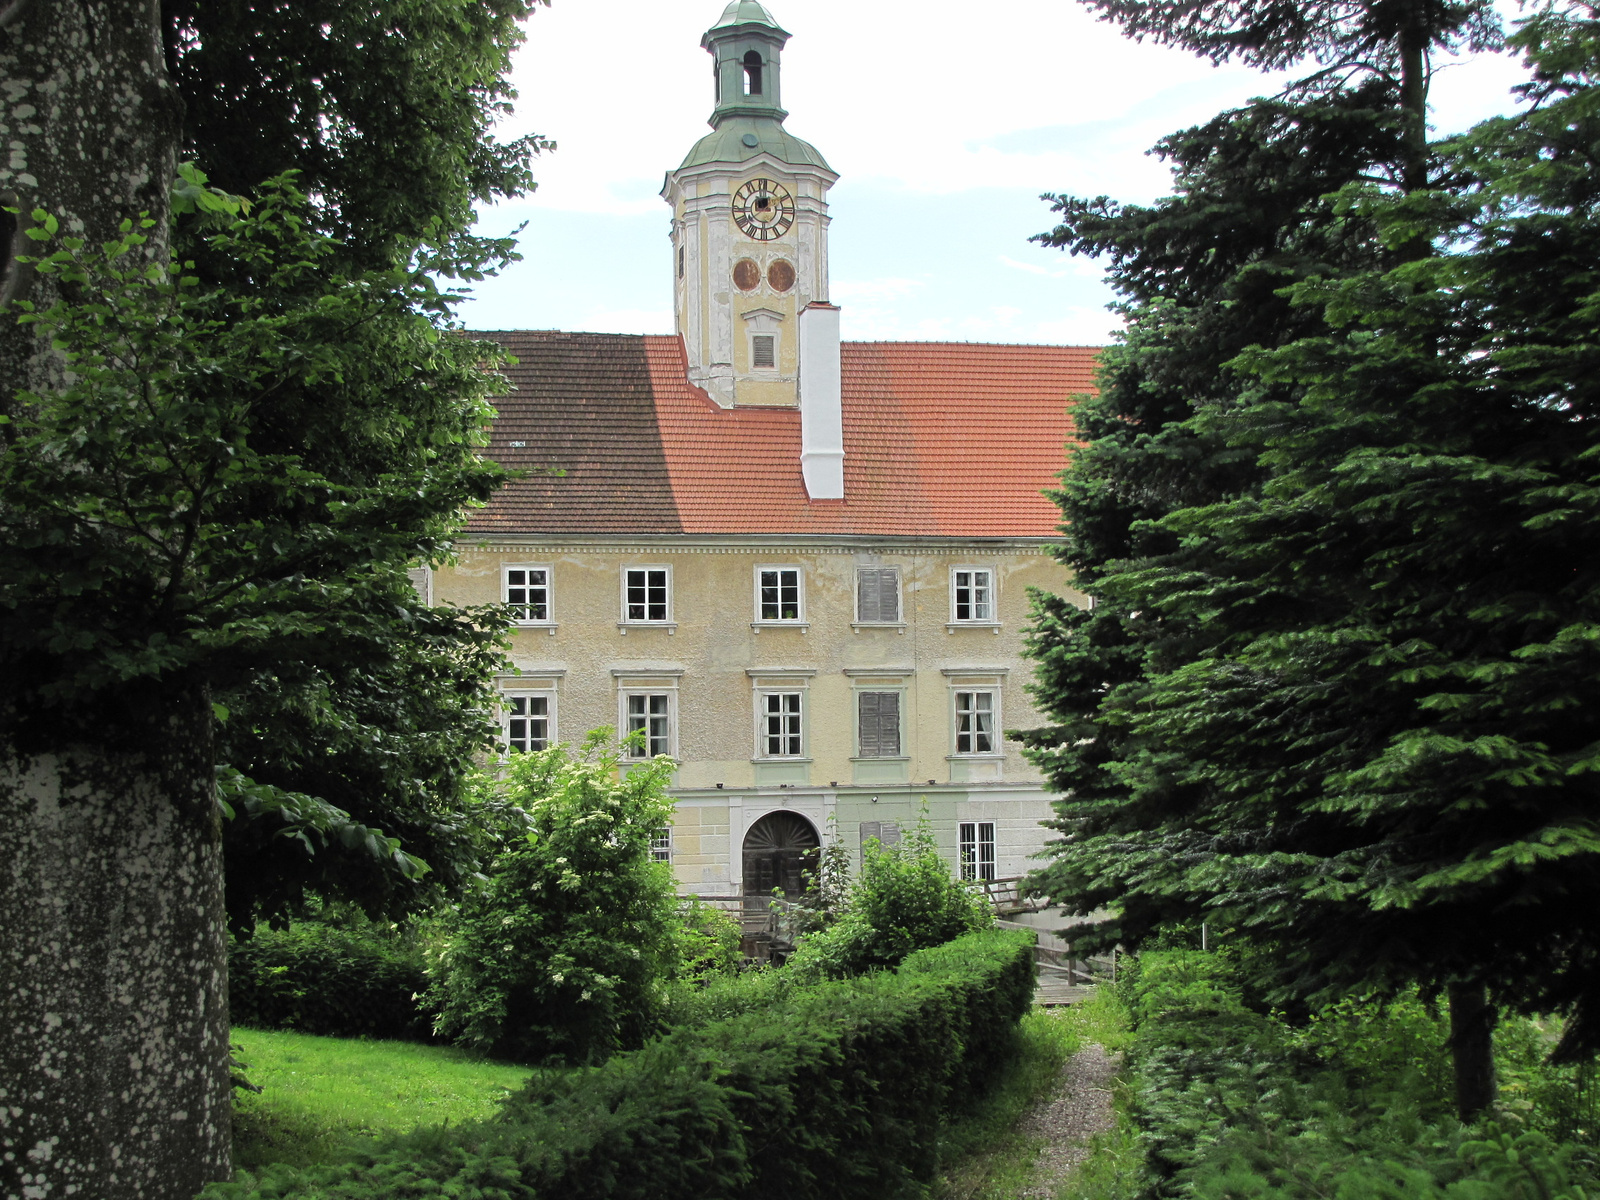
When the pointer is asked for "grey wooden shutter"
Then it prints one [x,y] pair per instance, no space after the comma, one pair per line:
[880,724]
[870,830]
[869,723]
[877,595]
[889,724]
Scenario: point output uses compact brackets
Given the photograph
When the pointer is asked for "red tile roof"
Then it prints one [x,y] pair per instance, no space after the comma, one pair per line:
[941,438]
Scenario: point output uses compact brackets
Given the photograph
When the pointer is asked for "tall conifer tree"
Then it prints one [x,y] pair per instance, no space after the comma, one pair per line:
[1199,782]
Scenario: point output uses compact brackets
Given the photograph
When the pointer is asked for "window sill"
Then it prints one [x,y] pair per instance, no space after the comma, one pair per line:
[623,626]
[780,761]
[880,758]
[992,756]
[991,626]
[548,626]
[898,626]
[802,626]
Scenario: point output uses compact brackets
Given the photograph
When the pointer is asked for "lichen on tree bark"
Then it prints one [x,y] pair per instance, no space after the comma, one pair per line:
[113,991]
[88,129]
[113,1021]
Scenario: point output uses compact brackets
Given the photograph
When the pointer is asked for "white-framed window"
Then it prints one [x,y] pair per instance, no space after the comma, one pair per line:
[651,712]
[779,596]
[782,730]
[647,595]
[661,844]
[877,595]
[975,713]
[527,591]
[528,720]
[878,724]
[977,850]
[972,595]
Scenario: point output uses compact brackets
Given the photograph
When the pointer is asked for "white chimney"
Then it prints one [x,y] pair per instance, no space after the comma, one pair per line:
[821,403]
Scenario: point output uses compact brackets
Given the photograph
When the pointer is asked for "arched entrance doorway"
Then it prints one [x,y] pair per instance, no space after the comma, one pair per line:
[781,850]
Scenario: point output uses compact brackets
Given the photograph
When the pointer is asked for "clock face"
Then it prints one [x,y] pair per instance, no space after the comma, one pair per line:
[763,210]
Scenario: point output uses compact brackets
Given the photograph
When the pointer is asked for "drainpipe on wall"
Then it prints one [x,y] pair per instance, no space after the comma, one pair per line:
[821,403]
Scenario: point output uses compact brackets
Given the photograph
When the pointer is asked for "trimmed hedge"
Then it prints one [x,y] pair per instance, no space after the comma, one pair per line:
[318,979]
[834,1090]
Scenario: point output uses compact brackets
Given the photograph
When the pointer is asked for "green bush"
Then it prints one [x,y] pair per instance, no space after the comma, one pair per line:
[565,954]
[707,943]
[832,1090]
[1234,1104]
[732,995]
[316,978]
[904,900]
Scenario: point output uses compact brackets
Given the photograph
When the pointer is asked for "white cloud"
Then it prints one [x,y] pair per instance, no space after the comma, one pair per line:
[623,320]
[873,291]
[1073,267]
[1073,327]
[977,111]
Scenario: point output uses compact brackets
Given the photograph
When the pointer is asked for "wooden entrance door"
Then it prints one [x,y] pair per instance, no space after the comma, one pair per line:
[781,850]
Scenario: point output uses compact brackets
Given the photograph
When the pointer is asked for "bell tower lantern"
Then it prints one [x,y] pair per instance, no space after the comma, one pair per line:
[749,224]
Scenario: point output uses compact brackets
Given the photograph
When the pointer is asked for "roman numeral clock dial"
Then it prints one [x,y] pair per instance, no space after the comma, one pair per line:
[763,210]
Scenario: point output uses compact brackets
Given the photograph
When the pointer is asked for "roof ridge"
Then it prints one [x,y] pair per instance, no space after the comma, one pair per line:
[847,342]
[952,342]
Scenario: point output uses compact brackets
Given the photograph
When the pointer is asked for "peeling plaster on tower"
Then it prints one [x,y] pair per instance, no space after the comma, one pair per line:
[749,224]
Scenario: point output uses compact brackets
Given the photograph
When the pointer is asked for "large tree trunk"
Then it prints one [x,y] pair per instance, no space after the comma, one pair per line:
[1472,1021]
[113,964]
[113,996]
[88,125]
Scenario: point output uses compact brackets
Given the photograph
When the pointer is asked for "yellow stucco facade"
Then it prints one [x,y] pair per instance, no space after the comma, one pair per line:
[716,661]
[847,678]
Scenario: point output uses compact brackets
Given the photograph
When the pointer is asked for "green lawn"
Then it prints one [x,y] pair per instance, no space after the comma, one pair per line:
[321,1092]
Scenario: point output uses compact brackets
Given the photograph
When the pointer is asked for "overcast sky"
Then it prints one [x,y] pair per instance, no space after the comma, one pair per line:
[944,120]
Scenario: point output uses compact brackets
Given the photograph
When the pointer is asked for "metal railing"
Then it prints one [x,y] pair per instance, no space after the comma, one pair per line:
[765,922]
[1057,957]
[1007,895]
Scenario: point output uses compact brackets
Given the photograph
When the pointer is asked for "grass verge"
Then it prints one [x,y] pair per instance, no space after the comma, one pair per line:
[320,1093]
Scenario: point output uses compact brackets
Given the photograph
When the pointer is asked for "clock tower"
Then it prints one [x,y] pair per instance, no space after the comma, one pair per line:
[749,227]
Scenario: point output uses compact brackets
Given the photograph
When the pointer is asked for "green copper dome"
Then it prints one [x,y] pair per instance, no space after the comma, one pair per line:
[726,143]
[742,12]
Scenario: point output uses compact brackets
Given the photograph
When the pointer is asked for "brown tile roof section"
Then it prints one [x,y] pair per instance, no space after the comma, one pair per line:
[584,405]
[941,439]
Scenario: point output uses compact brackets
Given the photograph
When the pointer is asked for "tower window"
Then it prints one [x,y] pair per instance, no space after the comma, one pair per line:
[680,262]
[763,350]
[752,73]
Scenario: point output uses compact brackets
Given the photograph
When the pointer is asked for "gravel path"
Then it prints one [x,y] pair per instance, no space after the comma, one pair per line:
[1079,1108]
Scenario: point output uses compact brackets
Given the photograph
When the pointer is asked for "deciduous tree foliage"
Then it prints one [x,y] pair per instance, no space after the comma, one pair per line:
[385,113]
[384,109]
[212,480]
[162,533]
[1365,740]
[565,954]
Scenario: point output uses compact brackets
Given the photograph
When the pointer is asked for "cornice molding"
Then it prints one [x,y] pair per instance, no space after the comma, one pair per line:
[762,544]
